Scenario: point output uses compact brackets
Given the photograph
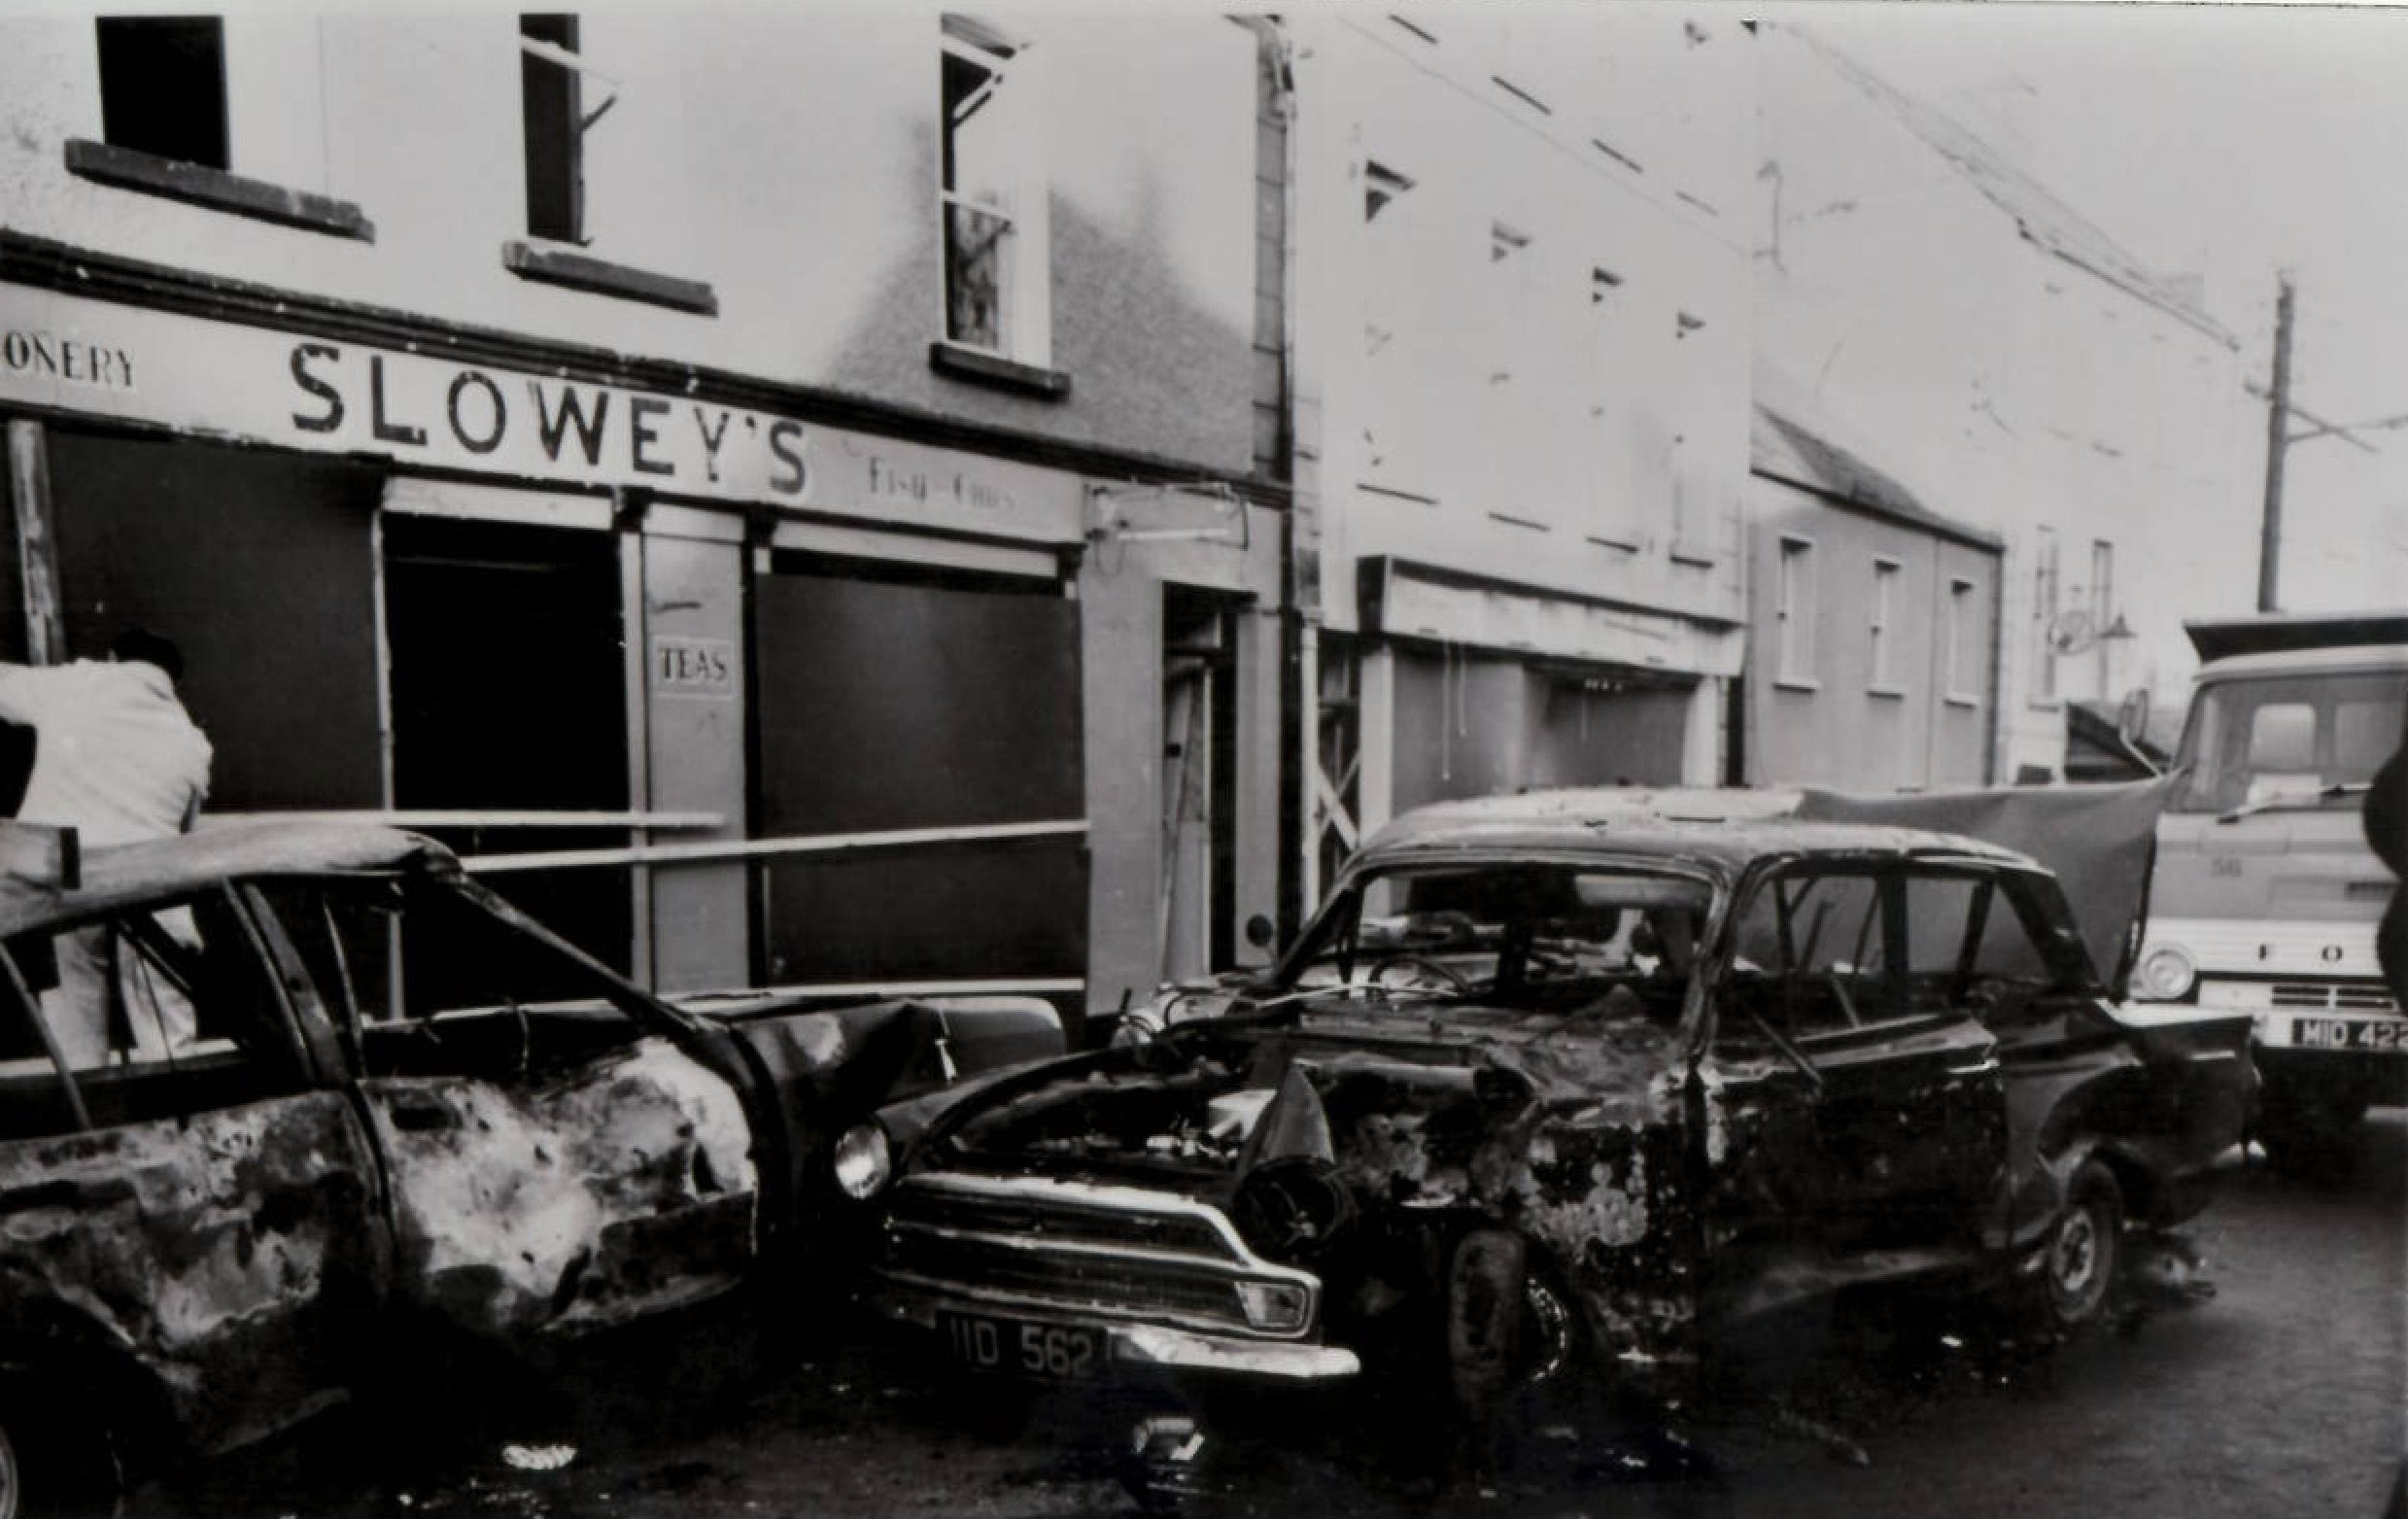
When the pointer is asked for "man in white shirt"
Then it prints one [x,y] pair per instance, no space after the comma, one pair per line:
[116,758]
[115,753]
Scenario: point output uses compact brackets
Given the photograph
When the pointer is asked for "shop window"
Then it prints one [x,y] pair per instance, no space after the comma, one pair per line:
[993,207]
[1793,615]
[1884,681]
[162,87]
[1960,645]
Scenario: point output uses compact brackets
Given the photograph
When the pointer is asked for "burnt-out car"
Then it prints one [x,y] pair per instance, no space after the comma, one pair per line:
[281,1101]
[1574,1077]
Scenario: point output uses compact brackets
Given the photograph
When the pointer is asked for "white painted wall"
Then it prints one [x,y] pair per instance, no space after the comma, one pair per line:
[787,155]
[1500,389]
[2017,390]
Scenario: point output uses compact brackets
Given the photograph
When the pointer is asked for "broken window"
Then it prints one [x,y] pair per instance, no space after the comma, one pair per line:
[157,1012]
[992,198]
[551,91]
[427,977]
[162,87]
[1381,184]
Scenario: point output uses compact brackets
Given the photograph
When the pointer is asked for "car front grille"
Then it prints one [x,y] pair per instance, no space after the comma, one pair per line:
[2349,996]
[1119,1253]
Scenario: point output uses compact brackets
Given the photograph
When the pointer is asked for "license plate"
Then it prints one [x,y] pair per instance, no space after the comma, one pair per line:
[1056,1352]
[2349,1033]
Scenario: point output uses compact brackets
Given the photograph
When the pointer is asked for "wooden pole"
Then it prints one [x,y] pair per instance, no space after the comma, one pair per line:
[37,557]
[2278,437]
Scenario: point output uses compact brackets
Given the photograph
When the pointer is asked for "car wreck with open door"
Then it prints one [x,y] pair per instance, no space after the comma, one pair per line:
[283,1105]
[1578,1080]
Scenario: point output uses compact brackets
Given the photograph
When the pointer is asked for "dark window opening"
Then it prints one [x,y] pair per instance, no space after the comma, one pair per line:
[162,87]
[508,689]
[550,92]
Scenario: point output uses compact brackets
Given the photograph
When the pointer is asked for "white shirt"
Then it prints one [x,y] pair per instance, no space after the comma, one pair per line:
[115,756]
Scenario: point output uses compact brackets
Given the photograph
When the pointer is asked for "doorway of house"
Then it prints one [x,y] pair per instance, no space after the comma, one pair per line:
[508,678]
[1198,900]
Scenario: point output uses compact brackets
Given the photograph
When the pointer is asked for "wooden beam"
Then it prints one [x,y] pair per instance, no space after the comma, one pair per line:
[37,554]
[855,844]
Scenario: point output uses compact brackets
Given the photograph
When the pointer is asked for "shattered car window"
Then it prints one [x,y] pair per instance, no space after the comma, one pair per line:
[1521,934]
[428,976]
[160,1011]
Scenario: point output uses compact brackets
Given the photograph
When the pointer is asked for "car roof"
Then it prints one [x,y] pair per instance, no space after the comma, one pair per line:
[130,874]
[1723,830]
[2340,659]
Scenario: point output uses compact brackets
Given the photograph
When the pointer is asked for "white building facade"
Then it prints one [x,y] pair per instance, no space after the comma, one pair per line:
[2038,384]
[1521,338]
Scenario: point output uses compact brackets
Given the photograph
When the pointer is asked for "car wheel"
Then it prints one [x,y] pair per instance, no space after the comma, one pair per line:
[2078,1272]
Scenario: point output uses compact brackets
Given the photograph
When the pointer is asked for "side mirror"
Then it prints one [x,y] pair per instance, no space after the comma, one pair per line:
[1261,932]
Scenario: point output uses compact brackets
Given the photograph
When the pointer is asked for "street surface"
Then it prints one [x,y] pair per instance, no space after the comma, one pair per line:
[2283,1395]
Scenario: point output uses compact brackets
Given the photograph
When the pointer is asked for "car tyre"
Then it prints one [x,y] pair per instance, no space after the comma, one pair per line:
[2084,1250]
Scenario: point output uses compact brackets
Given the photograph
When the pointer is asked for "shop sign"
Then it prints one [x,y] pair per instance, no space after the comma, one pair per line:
[330,395]
[694,666]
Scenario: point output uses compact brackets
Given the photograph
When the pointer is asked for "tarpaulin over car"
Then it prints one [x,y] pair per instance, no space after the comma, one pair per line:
[2100,841]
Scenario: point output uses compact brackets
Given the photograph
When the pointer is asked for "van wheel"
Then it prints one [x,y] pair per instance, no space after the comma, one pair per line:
[2084,1250]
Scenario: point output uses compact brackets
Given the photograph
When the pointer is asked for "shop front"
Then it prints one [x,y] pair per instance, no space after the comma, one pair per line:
[728,696]
[1462,685]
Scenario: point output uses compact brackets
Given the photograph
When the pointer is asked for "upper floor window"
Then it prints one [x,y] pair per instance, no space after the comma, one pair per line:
[993,196]
[1792,613]
[2046,586]
[162,87]
[552,100]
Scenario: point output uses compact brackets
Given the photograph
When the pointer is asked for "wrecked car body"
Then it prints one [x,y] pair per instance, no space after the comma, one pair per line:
[350,1099]
[1576,1076]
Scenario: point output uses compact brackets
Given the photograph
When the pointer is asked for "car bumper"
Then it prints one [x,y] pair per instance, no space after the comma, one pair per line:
[1139,1347]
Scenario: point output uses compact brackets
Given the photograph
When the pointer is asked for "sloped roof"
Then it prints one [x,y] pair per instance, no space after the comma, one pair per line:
[2044,220]
[1790,439]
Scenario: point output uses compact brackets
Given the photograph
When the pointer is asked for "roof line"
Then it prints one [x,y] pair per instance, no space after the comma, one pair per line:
[2043,217]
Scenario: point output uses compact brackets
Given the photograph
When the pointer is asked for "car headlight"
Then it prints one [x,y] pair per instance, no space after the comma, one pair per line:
[2166,974]
[863,1160]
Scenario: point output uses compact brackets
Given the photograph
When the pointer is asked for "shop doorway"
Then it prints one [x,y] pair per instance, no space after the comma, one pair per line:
[507,676]
[1198,899]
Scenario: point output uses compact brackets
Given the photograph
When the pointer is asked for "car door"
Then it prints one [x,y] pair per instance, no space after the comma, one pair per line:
[555,1163]
[179,1180]
[1860,1117]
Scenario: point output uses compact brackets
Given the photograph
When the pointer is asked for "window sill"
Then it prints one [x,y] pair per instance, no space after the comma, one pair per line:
[567,267]
[1691,558]
[198,184]
[1795,683]
[1955,698]
[1887,693]
[981,367]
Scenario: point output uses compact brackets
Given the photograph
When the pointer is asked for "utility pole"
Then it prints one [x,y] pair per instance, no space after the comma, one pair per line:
[2277,438]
